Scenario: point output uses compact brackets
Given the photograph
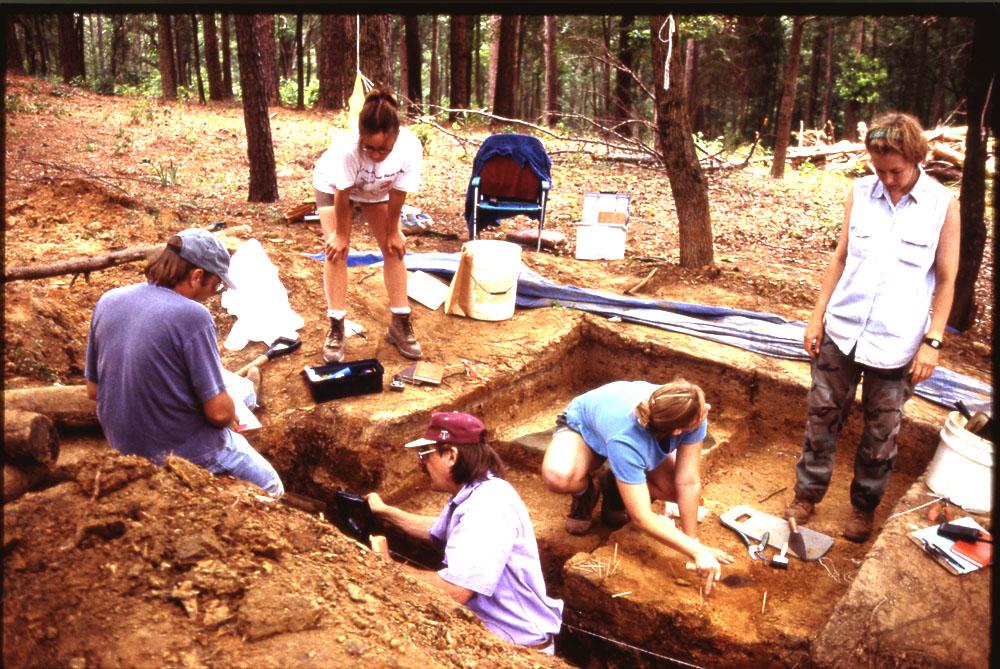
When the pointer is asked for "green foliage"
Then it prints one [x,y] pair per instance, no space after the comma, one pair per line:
[31,363]
[141,111]
[124,141]
[13,104]
[166,172]
[90,146]
[423,132]
[289,92]
[860,78]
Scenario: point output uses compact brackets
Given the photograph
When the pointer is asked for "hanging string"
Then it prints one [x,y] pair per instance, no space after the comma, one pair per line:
[670,48]
[366,83]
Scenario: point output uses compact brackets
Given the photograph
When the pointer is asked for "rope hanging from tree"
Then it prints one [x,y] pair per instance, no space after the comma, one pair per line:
[362,84]
[670,48]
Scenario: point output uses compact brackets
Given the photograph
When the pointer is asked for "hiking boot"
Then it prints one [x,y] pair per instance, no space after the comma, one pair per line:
[613,513]
[333,346]
[579,520]
[400,333]
[859,526]
[800,509]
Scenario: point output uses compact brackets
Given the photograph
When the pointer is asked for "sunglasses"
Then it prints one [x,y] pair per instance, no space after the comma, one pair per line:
[422,455]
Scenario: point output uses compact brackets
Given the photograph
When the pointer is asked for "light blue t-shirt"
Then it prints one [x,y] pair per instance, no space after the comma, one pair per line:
[155,358]
[605,418]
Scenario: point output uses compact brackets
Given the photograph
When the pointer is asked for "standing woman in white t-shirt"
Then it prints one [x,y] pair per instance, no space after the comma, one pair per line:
[375,168]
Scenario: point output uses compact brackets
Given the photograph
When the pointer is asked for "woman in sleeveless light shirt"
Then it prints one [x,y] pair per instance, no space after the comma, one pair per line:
[879,318]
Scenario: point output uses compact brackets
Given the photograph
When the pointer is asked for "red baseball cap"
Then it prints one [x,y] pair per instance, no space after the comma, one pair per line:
[450,427]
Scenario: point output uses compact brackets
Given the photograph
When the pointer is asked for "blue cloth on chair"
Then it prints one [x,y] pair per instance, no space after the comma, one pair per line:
[524,149]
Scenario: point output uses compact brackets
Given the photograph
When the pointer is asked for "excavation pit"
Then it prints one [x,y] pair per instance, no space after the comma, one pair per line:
[622,585]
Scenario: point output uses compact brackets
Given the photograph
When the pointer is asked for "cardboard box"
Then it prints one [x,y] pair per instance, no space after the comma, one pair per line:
[344,379]
[601,233]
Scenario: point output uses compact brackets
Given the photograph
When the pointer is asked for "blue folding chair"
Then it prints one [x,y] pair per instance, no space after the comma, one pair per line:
[511,175]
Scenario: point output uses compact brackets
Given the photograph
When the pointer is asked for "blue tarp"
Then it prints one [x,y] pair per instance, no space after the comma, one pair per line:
[764,333]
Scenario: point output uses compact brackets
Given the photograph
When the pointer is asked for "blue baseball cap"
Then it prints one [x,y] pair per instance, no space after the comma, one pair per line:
[203,249]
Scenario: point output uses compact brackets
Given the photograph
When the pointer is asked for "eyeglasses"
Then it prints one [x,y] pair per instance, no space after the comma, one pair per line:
[383,150]
[422,455]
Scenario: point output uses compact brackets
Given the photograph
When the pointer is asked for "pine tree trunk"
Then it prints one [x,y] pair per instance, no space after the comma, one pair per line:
[687,181]
[260,151]
[495,24]
[434,98]
[414,86]
[972,201]
[165,52]
[376,49]
[197,59]
[937,97]
[477,65]
[623,77]
[853,110]
[824,113]
[504,100]
[817,44]
[70,56]
[335,60]
[551,72]
[784,130]
[300,101]
[15,52]
[227,60]
[182,52]
[460,50]
[265,38]
[215,90]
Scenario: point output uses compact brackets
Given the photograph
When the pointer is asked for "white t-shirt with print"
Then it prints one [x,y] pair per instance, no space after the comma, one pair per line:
[344,166]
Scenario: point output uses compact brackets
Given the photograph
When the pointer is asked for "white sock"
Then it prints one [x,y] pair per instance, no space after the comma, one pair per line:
[400,310]
[339,314]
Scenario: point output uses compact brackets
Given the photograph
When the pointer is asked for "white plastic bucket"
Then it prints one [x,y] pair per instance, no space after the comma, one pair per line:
[495,268]
[962,467]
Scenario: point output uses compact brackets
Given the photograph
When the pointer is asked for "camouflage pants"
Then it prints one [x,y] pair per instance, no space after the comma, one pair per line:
[835,379]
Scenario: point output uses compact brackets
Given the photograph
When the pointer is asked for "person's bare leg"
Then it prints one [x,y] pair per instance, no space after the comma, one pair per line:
[393,268]
[568,467]
[661,480]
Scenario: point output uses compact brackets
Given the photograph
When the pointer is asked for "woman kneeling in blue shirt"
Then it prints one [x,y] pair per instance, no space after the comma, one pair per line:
[651,437]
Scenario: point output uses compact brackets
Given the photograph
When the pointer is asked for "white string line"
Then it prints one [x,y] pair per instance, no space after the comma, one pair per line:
[574,627]
[630,646]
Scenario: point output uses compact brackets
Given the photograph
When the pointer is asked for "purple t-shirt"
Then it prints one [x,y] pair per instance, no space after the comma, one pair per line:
[155,358]
[490,548]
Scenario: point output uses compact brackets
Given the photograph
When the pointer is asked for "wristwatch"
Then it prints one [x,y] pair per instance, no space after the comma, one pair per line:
[933,343]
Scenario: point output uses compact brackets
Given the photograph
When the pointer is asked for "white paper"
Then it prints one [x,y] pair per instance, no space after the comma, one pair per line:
[427,290]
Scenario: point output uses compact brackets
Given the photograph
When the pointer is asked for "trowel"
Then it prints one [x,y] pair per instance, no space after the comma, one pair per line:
[279,347]
[755,524]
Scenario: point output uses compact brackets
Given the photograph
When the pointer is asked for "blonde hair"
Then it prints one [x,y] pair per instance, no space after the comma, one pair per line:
[899,133]
[672,406]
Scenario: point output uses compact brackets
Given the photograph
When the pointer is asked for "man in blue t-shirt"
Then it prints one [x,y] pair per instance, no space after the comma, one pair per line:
[651,438]
[153,365]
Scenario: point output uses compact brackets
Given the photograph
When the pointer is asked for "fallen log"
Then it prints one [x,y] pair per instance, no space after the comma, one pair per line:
[29,436]
[81,265]
[18,480]
[66,406]
[87,264]
[947,154]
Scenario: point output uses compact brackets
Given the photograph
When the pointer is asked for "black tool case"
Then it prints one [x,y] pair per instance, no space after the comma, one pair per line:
[335,380]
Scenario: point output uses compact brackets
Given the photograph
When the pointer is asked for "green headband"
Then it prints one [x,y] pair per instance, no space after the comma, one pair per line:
[890,134]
